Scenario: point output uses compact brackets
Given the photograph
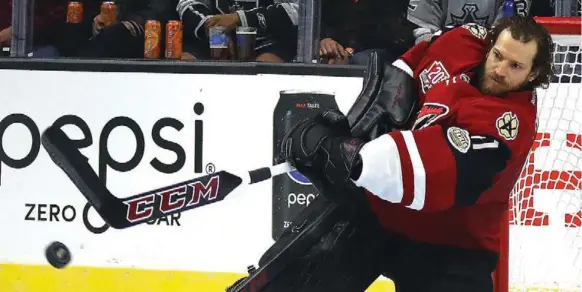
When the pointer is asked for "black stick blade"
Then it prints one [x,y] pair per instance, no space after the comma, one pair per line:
[65,155]
[140,208]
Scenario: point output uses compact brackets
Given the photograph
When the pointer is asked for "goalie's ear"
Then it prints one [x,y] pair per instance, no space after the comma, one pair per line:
[533,75]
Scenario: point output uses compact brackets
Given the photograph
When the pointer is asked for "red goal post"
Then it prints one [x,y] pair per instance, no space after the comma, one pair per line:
[542,238]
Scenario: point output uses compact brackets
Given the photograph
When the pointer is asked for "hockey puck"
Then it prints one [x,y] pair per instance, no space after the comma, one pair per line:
[58,255]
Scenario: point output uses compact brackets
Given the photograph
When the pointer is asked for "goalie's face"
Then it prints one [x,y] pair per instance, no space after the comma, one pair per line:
[508,66]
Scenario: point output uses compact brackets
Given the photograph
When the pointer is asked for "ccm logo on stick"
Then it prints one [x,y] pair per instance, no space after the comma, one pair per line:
[172,200]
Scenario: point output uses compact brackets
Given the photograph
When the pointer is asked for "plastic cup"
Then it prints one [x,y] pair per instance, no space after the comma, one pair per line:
[245,43]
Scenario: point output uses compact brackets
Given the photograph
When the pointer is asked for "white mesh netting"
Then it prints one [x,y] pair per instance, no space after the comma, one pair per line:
[545,235]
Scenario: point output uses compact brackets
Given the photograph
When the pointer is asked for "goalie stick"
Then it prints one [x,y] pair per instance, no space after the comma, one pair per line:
[146,206]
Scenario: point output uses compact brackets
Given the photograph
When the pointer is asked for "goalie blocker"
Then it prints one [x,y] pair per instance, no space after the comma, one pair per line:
[334,246]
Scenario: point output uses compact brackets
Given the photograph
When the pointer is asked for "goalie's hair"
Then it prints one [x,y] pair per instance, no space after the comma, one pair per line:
[526,29]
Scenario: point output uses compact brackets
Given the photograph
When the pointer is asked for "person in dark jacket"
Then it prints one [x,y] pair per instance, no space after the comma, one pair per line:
[122,39]
[351,30]
[276,22]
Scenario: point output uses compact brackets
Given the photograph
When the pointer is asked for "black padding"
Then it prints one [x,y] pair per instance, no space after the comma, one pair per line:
[65,155]
[389,107]
[372,83]
[328,247]
[398,96]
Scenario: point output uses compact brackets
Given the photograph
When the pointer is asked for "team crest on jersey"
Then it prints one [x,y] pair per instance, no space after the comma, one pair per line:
[507,125]
[429,113]
[459,138]
[433,75]
[469,14]
[262,20]
[476,30]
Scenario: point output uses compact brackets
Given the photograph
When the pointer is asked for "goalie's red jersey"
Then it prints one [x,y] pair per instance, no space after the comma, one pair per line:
[447,181]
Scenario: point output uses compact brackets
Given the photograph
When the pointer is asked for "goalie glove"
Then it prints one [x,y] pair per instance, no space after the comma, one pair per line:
[324,150]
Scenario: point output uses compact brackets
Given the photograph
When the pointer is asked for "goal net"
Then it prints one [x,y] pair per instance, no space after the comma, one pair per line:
[542,249]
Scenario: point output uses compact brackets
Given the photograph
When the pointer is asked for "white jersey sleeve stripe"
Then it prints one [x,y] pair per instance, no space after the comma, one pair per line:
[419,173]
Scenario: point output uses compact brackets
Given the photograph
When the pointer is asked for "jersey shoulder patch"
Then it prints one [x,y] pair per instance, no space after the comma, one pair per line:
[507,125]
[459,138]
[432,75]
[475,29]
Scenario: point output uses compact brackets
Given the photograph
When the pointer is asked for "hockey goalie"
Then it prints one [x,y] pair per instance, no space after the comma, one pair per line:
[415,179]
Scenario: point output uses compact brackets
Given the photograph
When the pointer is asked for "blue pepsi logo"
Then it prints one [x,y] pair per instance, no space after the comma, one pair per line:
[298,177]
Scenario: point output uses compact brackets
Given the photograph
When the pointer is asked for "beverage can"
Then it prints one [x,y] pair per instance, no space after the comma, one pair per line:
[174,38]
[292,192]
[152,43]
[75,12]
[108,13]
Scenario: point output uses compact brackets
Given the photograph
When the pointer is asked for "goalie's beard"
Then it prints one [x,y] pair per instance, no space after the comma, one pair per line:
[479,82]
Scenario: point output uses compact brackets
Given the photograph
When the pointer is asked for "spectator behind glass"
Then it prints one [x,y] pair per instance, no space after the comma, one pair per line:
[352,29]
[275,20]
[49,19]
[122,39]
[434,15]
